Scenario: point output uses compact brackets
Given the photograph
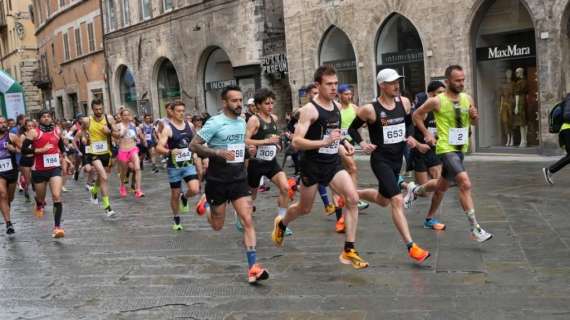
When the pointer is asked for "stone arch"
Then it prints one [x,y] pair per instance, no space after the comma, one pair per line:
[160,94]
[120,96]
[206,75]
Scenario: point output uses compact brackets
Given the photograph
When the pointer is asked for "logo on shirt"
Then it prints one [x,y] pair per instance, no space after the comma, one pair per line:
[234,138]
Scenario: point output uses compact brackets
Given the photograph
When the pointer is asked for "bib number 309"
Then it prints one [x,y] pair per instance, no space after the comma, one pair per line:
[458,136]
[238,150]
[266,153]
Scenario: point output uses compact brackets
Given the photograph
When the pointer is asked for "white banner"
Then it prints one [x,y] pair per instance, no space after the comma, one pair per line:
[14,104]
[5,82]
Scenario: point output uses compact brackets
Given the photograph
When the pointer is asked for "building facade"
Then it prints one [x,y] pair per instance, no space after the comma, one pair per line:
[163,50]
[71,58]
[516,55]
[18,48]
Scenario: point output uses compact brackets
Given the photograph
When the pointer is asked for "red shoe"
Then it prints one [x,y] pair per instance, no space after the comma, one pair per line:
[418,254]
[123,191]
[201,206]
[139,194]
[291,187]
[39,212]
[340,225]
[256,273]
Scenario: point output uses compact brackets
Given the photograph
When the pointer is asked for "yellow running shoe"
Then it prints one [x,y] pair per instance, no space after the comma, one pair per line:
[330,209]
[352,257]
[277,234]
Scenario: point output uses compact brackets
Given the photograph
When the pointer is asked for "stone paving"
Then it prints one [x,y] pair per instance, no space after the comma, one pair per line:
[136,267]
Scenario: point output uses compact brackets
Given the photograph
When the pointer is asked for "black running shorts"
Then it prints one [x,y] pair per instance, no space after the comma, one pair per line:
[423,161]
[313,172]
[104,158]
[256,169]
[452,165]
[45,175]
[218,193]
[387,173]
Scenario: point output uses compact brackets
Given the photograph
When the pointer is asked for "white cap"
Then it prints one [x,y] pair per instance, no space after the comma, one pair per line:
[387,75]
[250,101]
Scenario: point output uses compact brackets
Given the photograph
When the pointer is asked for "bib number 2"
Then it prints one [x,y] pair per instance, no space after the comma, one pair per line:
[458,136]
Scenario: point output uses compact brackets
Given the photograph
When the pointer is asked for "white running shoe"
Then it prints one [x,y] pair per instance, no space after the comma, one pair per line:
[480,235]
[109,213]
[547,176]
[410,196]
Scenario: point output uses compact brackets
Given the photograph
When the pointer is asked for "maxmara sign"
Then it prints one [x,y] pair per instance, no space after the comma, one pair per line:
[508,51]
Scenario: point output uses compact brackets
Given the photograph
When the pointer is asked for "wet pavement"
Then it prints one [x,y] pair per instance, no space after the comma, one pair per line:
[136,267]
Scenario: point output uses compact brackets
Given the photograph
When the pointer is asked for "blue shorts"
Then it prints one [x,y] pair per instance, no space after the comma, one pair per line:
[175,175]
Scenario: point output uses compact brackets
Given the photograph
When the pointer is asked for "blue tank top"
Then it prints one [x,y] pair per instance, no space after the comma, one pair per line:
[180,139]
[147,131]
[7,158]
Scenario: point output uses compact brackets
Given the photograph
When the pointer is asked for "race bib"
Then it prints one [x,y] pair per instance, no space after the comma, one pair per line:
[51,160]
[266,153]
[395,133]
[99,147]
[132,133]
[458,136]
[433,130]
[148,137]
[331,148]
[6,165]
[184,155]
[88,149]
[238,150]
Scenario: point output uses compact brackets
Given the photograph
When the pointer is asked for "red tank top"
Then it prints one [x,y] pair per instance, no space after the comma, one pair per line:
[49,159]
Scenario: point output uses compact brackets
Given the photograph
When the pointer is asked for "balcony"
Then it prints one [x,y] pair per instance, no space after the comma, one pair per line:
[41,80]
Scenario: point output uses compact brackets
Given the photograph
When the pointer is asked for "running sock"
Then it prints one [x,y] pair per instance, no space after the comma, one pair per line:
[251,256]
[348,245]
[57,212]
[282,212]
[471,218]
[338,213]
[106,203]
[282,226]
[95,189]
[409,245]
[177,219]
[324,194]
[184,200]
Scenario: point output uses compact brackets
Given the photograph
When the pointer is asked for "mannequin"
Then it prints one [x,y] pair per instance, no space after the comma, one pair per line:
[520,91]
[506,104]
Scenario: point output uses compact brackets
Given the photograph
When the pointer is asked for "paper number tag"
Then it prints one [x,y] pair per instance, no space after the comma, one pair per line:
[458,136]
[148,137]
[5,165]
[99,146]
[394,133]
[331,148]
[51,160]
[184,155]
[239,152]
[433,130]
[266,153]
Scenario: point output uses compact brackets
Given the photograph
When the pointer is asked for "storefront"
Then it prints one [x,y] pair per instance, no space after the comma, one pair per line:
[506,79]
[399,47]
[218,74]
[127,89]
[167,84]
[336,50]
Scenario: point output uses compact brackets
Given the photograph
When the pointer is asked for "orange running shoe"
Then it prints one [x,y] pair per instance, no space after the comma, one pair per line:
[39,212]
[291,187]
[339,201]
[58,232]
[418,254]
[201,206]
[256,273]
[277,235]
[340,225]
[352,257]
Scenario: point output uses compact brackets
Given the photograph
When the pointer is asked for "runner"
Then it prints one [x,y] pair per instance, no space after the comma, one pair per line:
[149,142]
[390,127]
[49,160]
[128,155]
[9,145]
[98,130]
[226,176]
[454,113]
[564,140]
[262,133]
[27,158]
[427,165]
[173,142]
[318,134]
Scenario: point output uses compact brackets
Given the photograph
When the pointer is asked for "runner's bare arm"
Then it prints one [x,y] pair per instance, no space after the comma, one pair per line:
[419,115]
[198,146]
[473,111]
[251,129]
[307,115]
[162,141]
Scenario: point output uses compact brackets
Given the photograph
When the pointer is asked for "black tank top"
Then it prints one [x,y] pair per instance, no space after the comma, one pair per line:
[180,139]
[266,129]
[326,122]
[429,123]
[388,132]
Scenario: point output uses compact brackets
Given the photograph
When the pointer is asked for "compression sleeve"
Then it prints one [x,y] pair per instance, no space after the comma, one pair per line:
[356,124]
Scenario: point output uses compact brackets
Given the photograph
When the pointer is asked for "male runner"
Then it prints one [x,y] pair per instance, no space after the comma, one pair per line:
[226,176]
[318,135]
[9,144]
[149,142]
[454,113]
[564,141]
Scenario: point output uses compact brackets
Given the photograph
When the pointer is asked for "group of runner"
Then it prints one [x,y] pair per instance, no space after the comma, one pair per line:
[231,156]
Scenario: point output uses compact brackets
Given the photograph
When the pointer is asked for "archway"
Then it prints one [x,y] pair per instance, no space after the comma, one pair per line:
[127,88]
[336,50]
[218,74]
[167,84]
[506,77]
[399,47]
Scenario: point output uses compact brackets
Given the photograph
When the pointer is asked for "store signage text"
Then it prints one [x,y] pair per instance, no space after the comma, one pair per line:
[508,51]
[220,84]
[402,57]
[275,63]
[342,64]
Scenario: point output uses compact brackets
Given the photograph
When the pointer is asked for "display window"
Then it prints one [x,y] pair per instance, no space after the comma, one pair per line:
[127,89]
[218,74]
[168,85]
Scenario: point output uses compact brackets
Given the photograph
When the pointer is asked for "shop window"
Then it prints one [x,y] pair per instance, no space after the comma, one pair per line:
[218,74]
[167,84]
[127,89]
